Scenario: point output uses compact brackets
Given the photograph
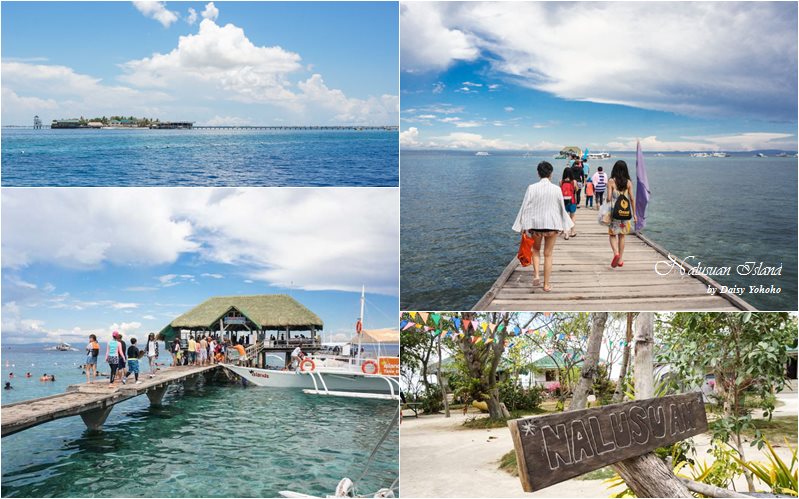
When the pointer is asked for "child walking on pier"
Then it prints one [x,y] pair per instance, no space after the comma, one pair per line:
[133,361]
[589,193]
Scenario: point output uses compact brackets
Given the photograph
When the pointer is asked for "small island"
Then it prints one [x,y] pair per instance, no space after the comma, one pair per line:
[120,122]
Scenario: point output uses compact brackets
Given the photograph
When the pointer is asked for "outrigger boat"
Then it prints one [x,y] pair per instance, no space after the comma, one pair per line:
[335,374]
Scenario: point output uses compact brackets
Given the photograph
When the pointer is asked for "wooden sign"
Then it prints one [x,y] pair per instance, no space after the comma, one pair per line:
[556,447]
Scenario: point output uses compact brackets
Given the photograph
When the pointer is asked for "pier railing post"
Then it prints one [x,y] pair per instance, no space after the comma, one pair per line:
[95,418]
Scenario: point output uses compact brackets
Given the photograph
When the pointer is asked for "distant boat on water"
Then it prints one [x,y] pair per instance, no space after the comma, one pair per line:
[598,155]
[62,347]
[760,155]
[700,155]
[720,155]
[782,155]
[481,153]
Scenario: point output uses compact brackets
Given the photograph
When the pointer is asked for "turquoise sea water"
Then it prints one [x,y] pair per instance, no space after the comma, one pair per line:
[457,212]
[169,158]
[213,441]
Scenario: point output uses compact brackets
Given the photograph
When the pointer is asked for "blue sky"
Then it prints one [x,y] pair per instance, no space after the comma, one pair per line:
[134,259]
[679,76]
[240,62]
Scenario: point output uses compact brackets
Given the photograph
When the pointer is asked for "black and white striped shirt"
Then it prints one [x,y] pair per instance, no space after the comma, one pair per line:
[543,208]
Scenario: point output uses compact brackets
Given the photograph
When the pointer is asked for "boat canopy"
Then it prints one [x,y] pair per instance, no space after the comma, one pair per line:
[571,150]
[387,335]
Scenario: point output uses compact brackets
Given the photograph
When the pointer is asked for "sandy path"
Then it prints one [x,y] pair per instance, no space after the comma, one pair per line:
[440,458]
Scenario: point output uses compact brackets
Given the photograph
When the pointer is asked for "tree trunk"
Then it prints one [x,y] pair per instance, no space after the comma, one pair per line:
[618,395]
[494,407]
[590,362]
[441,382]
[647,475]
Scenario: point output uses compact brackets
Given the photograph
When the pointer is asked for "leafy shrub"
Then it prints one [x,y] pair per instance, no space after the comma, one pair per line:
[431,400]
[517,398]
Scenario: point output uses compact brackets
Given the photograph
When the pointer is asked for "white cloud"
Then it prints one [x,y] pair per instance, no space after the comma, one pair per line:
[427,44]
[83,232]
[467,124]
[411,138]
[450,119]
[734,142]
[228,121]
[470,84]
[210,12]
[213,276]
[379,111]
[124,306]
[192,17]
[68,92]
[509,109]
[157,11]
[76,228]
[438,87]
[669,56]
[223,59]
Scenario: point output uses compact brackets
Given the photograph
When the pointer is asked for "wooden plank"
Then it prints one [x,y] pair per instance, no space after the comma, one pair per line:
[582,279]
[556,447]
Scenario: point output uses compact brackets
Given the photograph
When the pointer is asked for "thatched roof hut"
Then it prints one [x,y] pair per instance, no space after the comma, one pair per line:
[246,313]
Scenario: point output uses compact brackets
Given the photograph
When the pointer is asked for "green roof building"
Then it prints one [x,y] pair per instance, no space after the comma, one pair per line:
[280,321]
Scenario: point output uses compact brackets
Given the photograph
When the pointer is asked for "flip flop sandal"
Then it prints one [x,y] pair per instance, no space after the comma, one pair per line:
[536,282]
[615,262]
[621,264]
[547,290]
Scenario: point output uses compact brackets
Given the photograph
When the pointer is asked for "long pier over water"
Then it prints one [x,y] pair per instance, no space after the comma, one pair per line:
[582,279]
[93,402]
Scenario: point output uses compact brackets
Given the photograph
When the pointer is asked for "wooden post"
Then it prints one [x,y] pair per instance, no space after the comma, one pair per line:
[648,475]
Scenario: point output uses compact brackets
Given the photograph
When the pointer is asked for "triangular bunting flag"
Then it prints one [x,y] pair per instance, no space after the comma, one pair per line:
[436,318]
[424,316]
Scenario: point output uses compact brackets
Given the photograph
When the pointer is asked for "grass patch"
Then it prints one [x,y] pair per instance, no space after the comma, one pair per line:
[777,430]
[600,474]
[507,463]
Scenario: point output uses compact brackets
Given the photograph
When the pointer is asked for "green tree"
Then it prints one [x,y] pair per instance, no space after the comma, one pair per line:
[747,354]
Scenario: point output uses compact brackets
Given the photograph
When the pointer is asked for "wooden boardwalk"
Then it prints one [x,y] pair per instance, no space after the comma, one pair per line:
[93,402]
[583,280]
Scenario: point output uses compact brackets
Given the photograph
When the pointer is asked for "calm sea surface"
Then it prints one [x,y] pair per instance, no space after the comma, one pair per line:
[458,209]
[213,441]
[199,158]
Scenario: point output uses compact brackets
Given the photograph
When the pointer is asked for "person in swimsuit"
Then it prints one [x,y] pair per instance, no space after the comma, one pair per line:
[92,352]
[543,215]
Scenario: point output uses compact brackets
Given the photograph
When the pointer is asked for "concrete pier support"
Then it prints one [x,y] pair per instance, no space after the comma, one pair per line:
[95,419]
[191,382]
[156,395]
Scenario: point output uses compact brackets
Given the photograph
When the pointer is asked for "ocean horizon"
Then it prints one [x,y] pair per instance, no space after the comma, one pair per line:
[203,157]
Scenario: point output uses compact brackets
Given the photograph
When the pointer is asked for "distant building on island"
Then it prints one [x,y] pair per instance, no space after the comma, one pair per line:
[69,123]
[116,122]
[37,123]
[173,125]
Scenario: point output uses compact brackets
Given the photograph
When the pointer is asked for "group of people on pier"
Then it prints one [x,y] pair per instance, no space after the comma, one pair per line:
[122,359]
[548,210]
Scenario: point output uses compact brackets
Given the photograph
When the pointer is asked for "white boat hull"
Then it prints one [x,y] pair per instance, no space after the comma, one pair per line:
[334,380]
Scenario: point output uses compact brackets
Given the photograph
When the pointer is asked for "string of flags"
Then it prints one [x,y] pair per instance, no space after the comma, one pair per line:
[483,331]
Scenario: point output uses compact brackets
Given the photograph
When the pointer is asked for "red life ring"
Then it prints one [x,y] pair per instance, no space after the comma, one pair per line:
[359,326]
[374,368]
[309,361]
